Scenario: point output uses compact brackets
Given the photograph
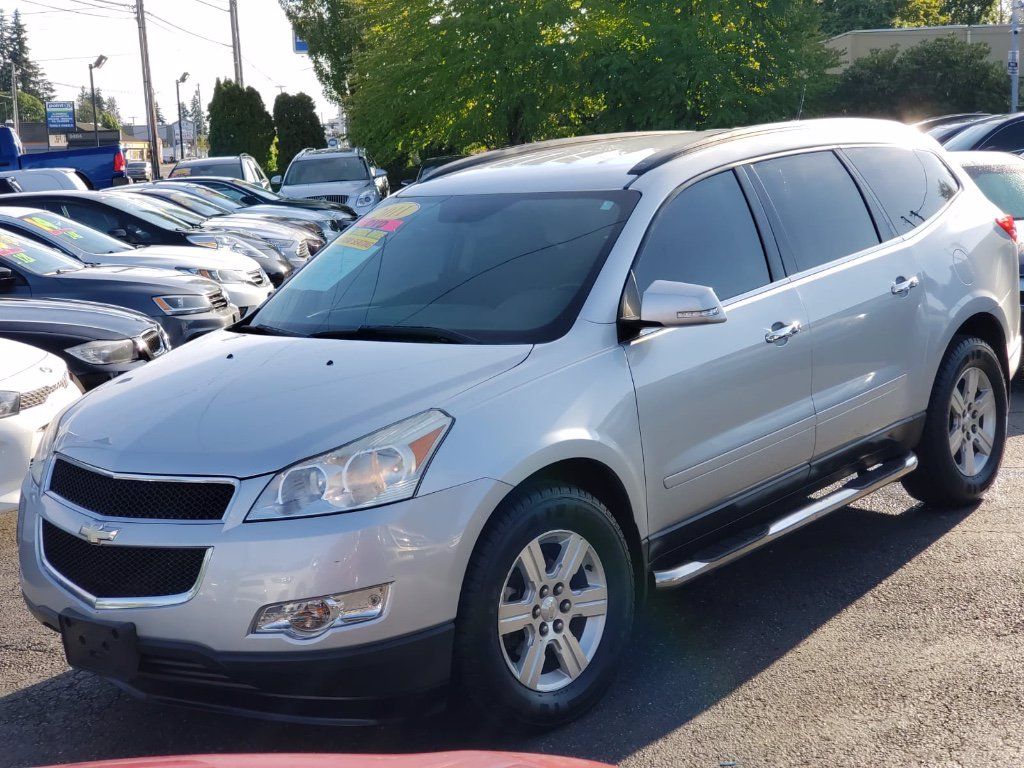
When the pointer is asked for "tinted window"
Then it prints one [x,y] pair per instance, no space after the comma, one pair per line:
[229,168]
[154,210]
[58,229]
[822,212]
[1008,139]
[90,216]
[501,268]
[1002,184]
[326,168]
[911,186]
[705,236]
[969,137]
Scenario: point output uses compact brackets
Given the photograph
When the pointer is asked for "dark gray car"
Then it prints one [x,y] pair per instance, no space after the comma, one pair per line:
[97,341]
[183,305]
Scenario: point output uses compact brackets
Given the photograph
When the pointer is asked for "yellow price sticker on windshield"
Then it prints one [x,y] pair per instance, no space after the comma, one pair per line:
[395,211]
[21,256]
[361,238]
[53,227]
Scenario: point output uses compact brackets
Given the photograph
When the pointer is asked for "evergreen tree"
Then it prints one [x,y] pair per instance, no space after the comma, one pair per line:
[160,119]
[16,53]
[239,122]
[297,125]
[197,115]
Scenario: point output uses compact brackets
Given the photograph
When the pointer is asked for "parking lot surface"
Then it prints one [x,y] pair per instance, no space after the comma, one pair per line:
[887,634]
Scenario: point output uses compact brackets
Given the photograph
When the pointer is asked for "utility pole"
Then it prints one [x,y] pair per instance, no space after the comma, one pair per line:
[147,86]
[1013,64]
[202,118]
[181,118]
[100,61]
[14,98]
[236,46]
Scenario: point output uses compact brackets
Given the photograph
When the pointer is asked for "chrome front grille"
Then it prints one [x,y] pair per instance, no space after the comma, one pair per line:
[218,299]
[41,395]
[257,277]
[330,198]
[303,250]
[152,344]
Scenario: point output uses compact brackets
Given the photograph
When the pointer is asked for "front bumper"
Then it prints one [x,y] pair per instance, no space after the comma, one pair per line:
[182,328]
[419,547]
[246,296]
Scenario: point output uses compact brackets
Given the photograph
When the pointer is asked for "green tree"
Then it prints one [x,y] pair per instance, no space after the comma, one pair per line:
[840,16]
[30,109]
[421,77]
[197,115]
[14,51]
[931,78]
[109,113]
[297,125]
[972,11]
[239,122]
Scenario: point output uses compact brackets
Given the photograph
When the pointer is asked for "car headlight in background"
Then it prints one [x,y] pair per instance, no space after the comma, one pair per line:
[106,352]
[218,275]
[380,468]
[315,615]
[183,305]
[10,404]
[44,451]
[282,246]
[367,197]
[228,242]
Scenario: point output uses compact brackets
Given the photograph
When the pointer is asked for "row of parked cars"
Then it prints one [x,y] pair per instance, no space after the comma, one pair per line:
[521,392]
[94,284]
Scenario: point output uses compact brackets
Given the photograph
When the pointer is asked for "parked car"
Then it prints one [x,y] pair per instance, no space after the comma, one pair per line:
[185,306]
[344,176]
[296,242]
[102,166]
[1003,133]
[34,388]
[520,393]
[96,341]
[241,278]
[431,164]
[41,179]
[252,195]
[212,205]
[139,222]
[330,222]
[242,167]
[930,123]
[139,170]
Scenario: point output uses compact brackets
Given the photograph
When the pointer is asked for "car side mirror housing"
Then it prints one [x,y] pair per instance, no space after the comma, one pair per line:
[379,173]
[119,233]
[6,278]
[407,182]
[276,180]
[668,304]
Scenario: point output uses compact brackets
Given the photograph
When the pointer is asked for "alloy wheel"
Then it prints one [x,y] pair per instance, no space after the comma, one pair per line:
[972,421]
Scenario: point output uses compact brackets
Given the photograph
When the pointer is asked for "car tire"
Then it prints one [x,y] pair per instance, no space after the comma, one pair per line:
[560,661]
[965,427]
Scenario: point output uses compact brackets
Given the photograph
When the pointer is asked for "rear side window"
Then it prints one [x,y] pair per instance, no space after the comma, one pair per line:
[821,210]
[705,236]
[1008,139]
[912,186]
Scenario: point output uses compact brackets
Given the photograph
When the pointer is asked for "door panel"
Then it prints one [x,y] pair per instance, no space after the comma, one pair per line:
[722,410]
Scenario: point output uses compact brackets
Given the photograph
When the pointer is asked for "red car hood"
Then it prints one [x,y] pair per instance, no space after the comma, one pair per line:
[434,760]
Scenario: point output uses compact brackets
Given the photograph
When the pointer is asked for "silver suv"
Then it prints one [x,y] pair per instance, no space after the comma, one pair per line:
[346,176]
[499,408]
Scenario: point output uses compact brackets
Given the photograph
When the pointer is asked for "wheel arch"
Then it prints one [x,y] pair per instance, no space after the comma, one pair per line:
[986,327]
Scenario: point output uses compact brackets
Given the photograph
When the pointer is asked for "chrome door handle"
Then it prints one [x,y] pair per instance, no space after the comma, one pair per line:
[902,286]
[781,332]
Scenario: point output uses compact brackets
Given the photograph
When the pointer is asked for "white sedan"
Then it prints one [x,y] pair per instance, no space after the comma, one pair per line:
[34,388]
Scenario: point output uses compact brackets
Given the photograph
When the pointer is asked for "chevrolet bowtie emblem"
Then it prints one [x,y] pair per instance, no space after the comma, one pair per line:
[97,534]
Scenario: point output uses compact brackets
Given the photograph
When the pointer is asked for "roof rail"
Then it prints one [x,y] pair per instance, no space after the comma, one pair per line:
[525,149]
[710,139]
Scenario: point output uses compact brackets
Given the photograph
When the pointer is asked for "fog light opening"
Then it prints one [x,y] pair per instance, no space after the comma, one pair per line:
[311,617]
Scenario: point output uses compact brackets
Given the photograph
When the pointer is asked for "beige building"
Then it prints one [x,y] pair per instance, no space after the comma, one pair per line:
[859,43]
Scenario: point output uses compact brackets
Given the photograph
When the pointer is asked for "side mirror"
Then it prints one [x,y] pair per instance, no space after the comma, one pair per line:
[668,304]
[6,278]
[276,180]
[379,173]
[120,234]
[407,182]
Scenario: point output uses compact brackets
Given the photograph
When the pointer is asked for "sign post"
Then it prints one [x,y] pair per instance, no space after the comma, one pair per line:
[1013,63]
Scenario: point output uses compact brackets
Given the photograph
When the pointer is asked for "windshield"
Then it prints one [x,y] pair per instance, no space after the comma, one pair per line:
[1002,184]
[188,201]
[239,189]
[229,168]
[155,211]
[319,169]
[502,268]
[971,135]
[22,254]
[62,231]
[213,197]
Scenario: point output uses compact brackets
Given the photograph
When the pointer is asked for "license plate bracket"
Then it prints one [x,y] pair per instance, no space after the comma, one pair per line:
[106,647]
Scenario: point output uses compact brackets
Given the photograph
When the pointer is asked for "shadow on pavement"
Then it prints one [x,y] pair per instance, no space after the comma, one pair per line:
[692,647]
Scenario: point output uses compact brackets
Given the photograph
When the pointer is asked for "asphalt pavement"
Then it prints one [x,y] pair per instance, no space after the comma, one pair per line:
[886,634]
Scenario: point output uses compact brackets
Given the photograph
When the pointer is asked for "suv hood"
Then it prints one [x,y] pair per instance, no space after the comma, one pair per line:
[349,188]
[273,402]
[175,256]
[162,280]
[255,226]
[16,357]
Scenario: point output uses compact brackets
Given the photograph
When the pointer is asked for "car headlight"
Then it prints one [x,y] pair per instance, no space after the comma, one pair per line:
[282,246]
[106,352]
[367,197]
[10,404]
[207,241]
[183,305]
[382,467]
[219,275]
[44,451]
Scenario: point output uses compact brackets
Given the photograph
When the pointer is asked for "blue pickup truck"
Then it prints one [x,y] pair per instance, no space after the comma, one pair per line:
[102,166]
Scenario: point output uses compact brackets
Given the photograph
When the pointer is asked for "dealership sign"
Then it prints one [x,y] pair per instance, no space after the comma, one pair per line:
[60,116]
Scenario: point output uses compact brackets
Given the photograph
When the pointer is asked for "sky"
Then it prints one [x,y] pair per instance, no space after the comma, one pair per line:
[64,41]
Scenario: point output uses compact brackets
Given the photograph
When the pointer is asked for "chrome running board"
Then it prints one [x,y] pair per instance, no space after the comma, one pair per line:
[857,488]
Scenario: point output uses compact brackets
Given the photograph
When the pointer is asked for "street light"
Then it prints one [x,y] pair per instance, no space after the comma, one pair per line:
[100,61]
[181,132]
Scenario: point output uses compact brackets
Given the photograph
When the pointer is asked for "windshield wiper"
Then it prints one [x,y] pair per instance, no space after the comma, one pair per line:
[263,330]
[413,333]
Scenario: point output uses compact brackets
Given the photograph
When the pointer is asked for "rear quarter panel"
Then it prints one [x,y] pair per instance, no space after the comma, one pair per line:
[97,163]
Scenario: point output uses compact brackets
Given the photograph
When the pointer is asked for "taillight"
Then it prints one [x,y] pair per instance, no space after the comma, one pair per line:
[1009,226]
[119,165]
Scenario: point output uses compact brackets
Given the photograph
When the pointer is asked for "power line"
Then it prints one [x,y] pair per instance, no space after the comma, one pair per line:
[159,20]
[65,9]
[212,5]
